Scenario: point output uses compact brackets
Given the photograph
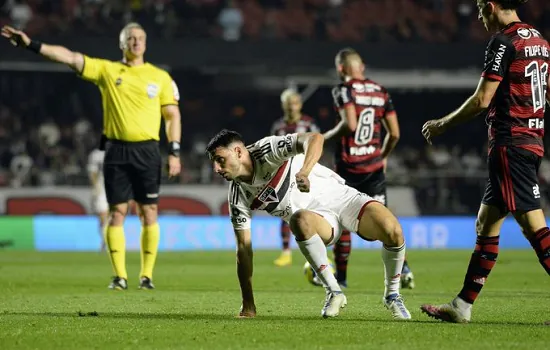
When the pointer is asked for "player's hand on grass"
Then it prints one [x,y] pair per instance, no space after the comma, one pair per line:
[16,37]
[174,166]
[433,128]
[302,181]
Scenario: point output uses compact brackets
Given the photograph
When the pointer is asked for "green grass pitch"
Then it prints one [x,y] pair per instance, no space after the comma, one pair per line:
[60,301]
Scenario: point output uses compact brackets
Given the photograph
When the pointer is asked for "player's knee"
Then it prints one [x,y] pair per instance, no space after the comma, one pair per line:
[148,214]
[117,214]
[530,222]
[482,228]
[479,227]
[300,224]
[393,233]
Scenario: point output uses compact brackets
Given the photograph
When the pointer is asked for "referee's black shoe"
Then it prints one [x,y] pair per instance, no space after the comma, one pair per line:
[146,283]
[118,283]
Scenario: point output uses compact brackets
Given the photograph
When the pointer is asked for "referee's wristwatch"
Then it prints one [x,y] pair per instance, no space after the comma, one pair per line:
[174,149]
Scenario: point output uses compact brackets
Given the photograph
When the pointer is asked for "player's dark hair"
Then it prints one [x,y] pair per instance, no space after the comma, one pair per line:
[223,139]
[508,4]
[343,54]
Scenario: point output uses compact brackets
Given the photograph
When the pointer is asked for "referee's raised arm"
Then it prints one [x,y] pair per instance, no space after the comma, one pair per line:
[55,53]
[135,96]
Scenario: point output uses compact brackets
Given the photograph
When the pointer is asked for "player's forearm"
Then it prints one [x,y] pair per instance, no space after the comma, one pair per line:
[244,270]
[173,129]
[313,149]
[62,55]
[338,131]
[390,141]
[469,110]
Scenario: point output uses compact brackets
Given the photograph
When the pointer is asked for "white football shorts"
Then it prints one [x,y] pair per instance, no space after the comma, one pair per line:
[342,207]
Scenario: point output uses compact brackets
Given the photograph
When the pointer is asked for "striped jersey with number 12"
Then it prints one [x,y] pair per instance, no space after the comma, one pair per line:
[359,152]
[519,57]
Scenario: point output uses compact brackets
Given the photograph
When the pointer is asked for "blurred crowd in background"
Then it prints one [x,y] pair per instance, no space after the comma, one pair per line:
[50,121]
[335,20]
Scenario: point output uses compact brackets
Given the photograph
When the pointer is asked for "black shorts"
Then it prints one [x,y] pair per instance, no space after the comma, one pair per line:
[132,170]
[373,184]
[513,180]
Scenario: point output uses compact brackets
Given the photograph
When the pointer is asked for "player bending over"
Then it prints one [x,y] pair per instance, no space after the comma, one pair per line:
[513,87]
[273,176]
[293,121]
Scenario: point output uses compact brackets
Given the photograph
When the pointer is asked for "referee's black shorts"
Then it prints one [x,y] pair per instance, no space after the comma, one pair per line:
[132,170]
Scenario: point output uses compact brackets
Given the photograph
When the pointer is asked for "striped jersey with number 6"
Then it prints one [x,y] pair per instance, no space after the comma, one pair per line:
[360,152]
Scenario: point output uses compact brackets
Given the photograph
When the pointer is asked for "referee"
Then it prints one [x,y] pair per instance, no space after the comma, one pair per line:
[135,95]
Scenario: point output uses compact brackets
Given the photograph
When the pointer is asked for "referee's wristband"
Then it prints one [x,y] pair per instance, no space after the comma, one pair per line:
[174,149]
[34,46]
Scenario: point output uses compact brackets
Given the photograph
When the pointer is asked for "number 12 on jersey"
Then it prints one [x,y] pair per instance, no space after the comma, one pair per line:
[539,81]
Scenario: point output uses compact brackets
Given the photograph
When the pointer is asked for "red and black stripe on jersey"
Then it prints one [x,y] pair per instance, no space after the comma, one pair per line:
[275,190]
[305,124]
[360,152]
[519,57]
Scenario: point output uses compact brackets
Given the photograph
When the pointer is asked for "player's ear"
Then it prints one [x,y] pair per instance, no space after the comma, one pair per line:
[489,8]
[238,151]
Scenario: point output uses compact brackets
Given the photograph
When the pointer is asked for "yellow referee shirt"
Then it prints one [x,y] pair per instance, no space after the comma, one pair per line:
[132,97]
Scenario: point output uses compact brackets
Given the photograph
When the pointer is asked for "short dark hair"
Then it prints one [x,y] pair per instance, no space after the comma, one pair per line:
[223,139]
[508,4]
[343,54]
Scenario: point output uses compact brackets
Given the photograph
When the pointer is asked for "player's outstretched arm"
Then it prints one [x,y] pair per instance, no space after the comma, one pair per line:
[244,271]
[55,53]
[473,106]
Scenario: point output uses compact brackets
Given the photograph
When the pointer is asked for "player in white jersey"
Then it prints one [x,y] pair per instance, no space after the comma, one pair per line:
[100,207]
[273,175]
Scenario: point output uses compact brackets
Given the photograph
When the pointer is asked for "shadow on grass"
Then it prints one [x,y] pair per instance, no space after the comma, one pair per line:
[225,318]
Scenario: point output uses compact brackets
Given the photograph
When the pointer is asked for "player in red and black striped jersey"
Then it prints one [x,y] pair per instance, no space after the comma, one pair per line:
[365,107]
[514,90]
[292,122]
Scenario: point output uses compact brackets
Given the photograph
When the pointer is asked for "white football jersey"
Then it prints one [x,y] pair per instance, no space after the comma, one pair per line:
[95,166]
[273,188]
